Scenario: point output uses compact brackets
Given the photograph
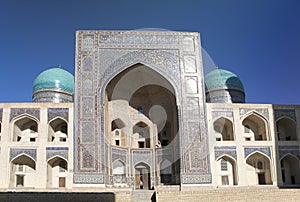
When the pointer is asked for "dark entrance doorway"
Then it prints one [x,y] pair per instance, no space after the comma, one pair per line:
[261,178]
[20,181]
[142,177]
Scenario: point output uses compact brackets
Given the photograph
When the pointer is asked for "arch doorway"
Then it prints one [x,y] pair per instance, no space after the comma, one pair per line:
[142,176]
[290,170]
[259,170]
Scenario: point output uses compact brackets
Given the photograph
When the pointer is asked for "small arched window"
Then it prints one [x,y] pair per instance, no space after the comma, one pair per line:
[260,165]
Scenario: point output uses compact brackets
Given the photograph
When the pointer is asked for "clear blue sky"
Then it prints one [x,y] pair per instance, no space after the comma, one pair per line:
[259,40]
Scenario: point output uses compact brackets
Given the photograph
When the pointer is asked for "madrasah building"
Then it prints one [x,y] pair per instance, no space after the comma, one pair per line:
[141,115]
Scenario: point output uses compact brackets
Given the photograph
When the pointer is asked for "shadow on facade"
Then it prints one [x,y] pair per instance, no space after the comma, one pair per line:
[55,197]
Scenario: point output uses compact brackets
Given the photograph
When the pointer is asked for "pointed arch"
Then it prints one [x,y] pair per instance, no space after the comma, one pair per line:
[286,128]
[22,171]
[117,124]
[119,167]
[24,115]
[57,171]
[290,169]
[58,117]
[23,155]
[228,174]
[257,152]
[142,175]
[223,128]
[24,128]
[55,157]
[256,127]
[259,170]
[57,130]
[133,63]
[141,134]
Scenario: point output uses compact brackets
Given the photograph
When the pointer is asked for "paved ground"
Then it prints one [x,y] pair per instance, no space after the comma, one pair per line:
[56,197]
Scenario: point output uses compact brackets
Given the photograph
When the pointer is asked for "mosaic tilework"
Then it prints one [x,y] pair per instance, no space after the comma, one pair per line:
[58,112]
[14,152]
[114,51]
[87,107]
[226,112]
[142,156]
[155,59]
[225,96]
[14,112]
[284,150]
[192,107]
[88,42]
[87,64]
[225,150]
[119,179]
[263,111]
[89,178]
[285,112]
[165,153]
[124,38]
[88,157]
[49,95]
[130,181]
[87,135]
[196,178]
[57,151]
[250,150]
[119,154]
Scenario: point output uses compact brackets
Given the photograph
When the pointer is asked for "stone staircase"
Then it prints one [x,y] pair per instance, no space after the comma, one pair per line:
[143,196]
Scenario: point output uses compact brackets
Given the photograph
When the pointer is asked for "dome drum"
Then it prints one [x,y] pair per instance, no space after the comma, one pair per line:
[222,86]
[53,85]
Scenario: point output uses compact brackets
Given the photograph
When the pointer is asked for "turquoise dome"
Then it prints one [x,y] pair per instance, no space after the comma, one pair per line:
[56,79]
[222,79]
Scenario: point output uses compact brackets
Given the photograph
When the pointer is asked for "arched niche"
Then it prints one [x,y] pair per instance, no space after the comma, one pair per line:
[227,170]
[223,128]
[25,129]
[290,170]
[22,171]
[58,130]
[286,129]
[258,169]
[255,128]
[57,172]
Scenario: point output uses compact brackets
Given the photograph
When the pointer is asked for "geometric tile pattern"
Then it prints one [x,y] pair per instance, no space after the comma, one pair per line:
[262,111]
[288,149]
[89,178]
[30,111]
[225,150]
[14,152]
[58,112]
[285,112]
[57,151]
[197,178]
[265,150]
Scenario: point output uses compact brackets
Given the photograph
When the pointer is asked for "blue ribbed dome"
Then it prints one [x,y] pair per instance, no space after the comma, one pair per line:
[56,79]
[222,79]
